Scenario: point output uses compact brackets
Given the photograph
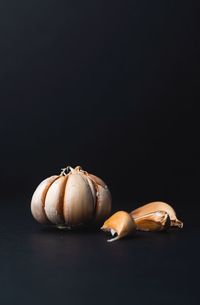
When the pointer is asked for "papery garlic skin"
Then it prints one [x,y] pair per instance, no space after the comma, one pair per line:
[70,200]
[155,221]
[158,206]
[120,223]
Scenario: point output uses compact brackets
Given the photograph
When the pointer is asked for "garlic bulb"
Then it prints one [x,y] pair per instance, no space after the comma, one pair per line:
[158,206]
[155,221]
[71,199]
[119,223]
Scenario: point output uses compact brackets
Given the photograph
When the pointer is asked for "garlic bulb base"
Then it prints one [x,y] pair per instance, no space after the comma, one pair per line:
[63,227]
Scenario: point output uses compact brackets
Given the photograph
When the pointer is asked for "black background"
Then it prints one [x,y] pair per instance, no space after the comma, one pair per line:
[112,86]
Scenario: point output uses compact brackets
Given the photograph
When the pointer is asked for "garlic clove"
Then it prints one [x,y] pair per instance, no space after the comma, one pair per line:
[54,201]
[92,188]
[155,221]
[78,200]
[38,199]
[158,206]
[97,180]
[103,204]
[120,223]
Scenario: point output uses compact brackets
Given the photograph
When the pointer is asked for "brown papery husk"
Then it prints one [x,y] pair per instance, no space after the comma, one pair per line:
[158,206]
[121,223]
[156,221]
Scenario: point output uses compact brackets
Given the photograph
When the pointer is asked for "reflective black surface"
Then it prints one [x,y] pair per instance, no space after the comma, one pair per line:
[41,265]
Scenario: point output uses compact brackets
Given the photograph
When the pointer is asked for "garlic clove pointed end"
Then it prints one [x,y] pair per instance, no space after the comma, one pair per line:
[120,223]
[177,223]
[113,239]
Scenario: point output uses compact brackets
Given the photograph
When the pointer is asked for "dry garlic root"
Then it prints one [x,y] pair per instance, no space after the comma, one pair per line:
[157,206]
[120,224]
[155,221]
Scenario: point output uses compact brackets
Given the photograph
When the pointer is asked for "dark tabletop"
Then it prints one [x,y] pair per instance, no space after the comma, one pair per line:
[41,265]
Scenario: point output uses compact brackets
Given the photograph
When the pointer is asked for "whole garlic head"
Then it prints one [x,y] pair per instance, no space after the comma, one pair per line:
[73,198]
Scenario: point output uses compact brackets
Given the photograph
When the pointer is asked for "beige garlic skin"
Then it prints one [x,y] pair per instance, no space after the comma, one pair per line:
[155,221]
[120,223]
[71,199]
[158,206]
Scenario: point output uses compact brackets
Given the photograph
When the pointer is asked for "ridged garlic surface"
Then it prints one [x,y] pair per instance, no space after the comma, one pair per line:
[73,198]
